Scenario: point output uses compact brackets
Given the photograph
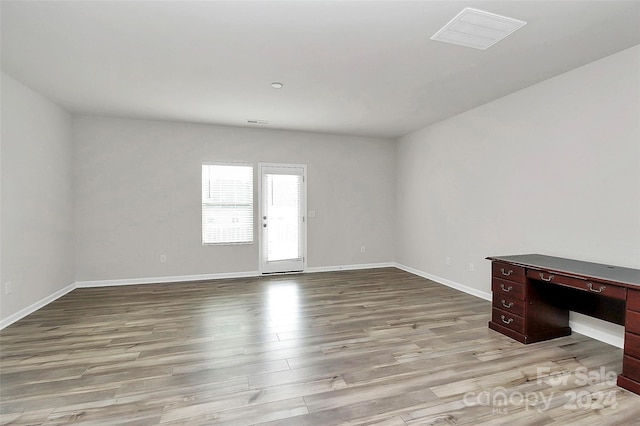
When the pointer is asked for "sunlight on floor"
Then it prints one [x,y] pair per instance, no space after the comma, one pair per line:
[283,305]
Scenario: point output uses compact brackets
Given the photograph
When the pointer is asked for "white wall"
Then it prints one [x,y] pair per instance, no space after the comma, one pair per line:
[37,199]
[138,196]
[552,169]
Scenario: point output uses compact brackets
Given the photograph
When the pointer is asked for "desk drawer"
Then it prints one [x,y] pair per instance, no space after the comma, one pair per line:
[506,319]
[632,344]
[509,272]
[632,322]
[507,288]
[633,300]
[631,368]
[509,304]
[594,287]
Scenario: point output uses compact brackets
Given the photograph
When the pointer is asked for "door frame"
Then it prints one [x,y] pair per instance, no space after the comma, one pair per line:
[303,209]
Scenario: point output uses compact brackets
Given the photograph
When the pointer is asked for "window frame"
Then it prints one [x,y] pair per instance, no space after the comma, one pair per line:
[203,204]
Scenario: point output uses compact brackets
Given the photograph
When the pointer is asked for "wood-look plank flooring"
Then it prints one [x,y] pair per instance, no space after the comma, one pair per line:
[373,347]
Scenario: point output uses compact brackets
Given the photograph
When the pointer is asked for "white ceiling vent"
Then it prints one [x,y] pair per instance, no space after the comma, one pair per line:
[477,29]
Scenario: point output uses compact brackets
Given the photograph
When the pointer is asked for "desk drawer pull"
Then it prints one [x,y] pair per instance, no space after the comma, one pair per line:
[509,321]
[506,305]
[545,279]
[506,273]
[506,289]
[599,290]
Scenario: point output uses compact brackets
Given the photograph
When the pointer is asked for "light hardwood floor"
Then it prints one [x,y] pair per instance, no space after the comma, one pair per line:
[373,347]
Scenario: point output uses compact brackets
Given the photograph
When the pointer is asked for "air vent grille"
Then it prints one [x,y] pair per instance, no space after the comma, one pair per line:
[477,29]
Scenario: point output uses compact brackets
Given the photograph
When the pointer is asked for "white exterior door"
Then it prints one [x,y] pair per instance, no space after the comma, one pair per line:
[283,229]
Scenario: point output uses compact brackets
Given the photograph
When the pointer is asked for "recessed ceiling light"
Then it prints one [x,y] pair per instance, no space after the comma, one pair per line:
[477,29]
[277,85]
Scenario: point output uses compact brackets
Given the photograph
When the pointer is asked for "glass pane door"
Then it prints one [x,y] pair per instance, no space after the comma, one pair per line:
[282,218]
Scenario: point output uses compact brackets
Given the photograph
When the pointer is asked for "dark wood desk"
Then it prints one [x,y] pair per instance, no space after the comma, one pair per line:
[533,294]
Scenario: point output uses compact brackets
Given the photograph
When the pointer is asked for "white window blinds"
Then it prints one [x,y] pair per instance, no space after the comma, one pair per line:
[227,204]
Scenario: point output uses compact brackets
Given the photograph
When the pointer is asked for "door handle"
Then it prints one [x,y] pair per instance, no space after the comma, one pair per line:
[504,320]
[506,273]
[602,287]
[545,279]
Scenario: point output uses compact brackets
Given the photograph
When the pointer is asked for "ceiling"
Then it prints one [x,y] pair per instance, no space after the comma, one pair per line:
[348,67]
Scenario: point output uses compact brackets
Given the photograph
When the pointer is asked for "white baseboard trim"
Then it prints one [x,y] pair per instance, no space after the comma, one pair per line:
[220,276]
[444,281]
[168,279]
[353,267]
[577,325]
[35,306]
[165,280]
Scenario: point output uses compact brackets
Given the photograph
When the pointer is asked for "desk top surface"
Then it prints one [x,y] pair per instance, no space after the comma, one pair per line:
[577,268]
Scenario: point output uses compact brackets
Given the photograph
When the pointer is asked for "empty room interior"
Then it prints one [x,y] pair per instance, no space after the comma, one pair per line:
[320,212]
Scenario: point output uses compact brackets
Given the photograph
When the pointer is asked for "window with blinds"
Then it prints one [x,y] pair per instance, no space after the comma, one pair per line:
[227,204]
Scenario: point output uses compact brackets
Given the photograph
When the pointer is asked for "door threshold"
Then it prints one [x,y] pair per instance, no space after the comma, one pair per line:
[283,273]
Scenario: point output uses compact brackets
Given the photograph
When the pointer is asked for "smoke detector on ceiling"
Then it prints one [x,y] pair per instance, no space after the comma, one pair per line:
[477,29]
